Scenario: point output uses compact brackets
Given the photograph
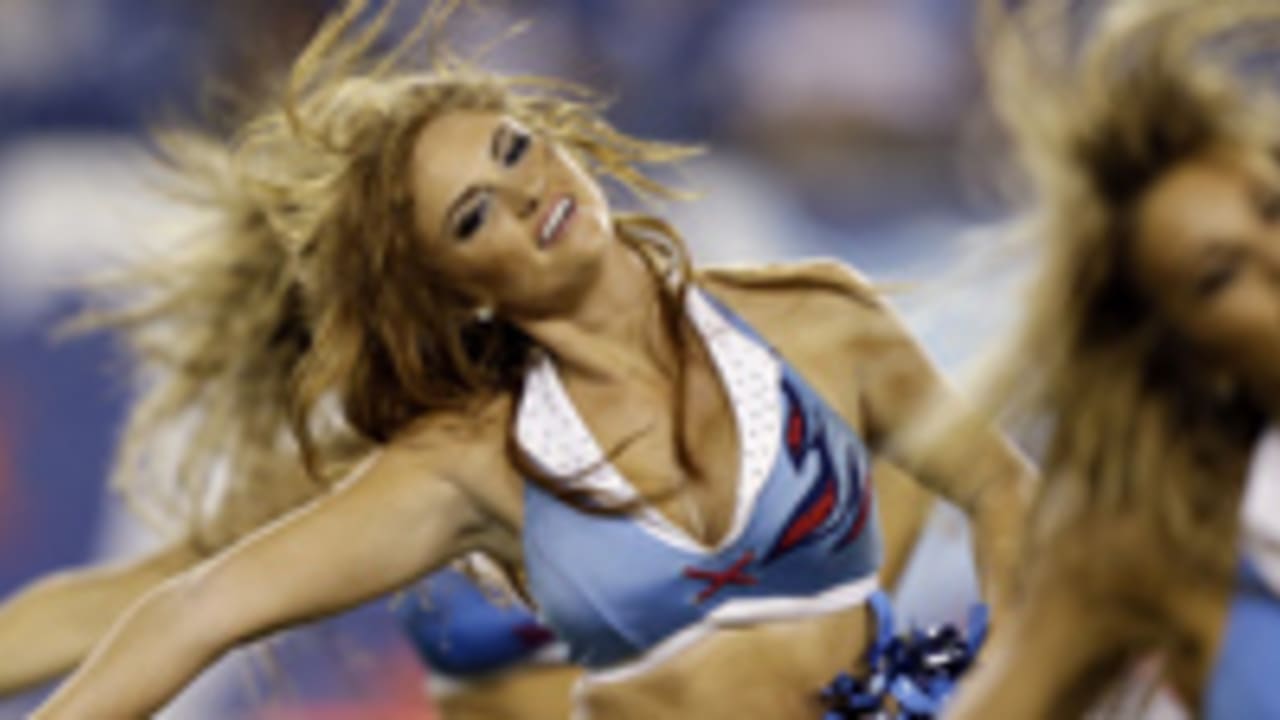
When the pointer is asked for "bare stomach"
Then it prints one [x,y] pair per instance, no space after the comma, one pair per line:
[771,671]
[527,693]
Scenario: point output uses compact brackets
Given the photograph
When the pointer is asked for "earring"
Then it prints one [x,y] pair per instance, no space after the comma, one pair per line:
[483,314]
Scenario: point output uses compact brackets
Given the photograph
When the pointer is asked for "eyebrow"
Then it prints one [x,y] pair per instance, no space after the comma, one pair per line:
[472,191]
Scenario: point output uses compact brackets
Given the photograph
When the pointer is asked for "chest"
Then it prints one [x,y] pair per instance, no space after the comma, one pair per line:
[678,444]
[682,449]
[687,445]
[799,526]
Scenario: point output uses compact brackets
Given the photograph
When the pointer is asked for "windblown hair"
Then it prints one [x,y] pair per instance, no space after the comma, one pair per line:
[312,288]
[213,329]
[1137,434]
[393,338]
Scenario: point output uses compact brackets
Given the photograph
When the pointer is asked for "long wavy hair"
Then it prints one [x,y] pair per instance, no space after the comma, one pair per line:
[1136,431]
[304,320]
[213,332]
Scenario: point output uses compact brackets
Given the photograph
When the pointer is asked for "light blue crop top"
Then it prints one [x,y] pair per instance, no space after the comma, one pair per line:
[1245,684]
[627,591]
[1246,680]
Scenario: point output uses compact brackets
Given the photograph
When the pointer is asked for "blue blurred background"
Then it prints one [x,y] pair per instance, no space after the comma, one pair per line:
[848,128]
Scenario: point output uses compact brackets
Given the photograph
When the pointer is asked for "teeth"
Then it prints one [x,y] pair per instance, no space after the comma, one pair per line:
[555,220]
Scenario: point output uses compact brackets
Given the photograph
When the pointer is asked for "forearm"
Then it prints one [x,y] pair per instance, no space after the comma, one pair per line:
[903,506]
[35,645]
[144,661]
[993,483]
[49,627]
[994,487]
[998,518]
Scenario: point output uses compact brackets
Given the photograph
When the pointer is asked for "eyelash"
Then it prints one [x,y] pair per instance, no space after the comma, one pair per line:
[474,217]
[1217,279]
[520,142]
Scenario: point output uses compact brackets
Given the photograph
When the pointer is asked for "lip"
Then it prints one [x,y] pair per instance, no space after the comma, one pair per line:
[545,217]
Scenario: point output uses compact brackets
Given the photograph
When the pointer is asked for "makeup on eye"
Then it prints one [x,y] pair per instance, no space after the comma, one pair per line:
[473,216]
[517,147]
[1222,265]
[1267,200]
[510,143]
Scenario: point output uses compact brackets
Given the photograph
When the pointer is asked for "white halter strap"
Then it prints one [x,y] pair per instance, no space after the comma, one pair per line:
[1260,523]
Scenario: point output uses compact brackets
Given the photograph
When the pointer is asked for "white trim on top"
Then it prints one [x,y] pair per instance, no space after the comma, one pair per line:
[1261,512]
[738,612]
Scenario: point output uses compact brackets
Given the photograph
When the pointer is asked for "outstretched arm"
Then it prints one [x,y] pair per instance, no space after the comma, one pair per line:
[926,429]
[394,521]
[48,627]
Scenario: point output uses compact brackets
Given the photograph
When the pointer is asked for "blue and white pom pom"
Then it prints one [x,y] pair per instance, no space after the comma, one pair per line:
[911,676]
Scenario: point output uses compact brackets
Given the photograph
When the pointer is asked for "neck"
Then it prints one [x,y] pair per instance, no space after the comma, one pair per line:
[616,330]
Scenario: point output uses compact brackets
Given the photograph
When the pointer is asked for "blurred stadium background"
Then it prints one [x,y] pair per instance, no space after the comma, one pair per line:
[848,128]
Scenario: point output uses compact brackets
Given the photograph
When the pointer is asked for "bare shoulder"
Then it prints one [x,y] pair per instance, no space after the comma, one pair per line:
[819,275]
[835,300]
[478,425]
[467,447]
[823,316]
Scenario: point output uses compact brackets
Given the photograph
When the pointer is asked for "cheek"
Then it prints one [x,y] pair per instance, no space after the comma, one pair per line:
[1242,325]
[585,187]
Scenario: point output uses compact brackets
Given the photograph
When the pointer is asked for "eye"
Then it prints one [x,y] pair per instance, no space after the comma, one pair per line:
[1217,277]
[1269,206]
[472,218]
[517,146]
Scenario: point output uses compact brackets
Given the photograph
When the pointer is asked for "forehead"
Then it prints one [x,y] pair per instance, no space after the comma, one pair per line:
[1199,203]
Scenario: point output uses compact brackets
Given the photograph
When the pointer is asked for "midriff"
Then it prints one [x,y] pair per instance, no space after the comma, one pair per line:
[769,671]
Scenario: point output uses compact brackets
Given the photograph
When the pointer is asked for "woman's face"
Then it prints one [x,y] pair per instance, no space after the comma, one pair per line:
[509,216]
[1207,251]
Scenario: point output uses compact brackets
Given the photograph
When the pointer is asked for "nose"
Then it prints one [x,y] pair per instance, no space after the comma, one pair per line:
[524,201]
[521,202]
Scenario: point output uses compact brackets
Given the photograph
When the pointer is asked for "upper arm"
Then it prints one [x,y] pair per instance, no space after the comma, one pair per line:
[399,516]
[395,519]
[271,488]
[902,397]
[916,418]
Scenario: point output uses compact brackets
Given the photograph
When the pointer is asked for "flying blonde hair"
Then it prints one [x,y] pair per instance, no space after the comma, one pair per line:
[1136,432]
[1143,448]
[304,323]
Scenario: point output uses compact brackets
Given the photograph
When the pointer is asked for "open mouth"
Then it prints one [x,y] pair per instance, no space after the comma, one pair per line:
[555,222]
